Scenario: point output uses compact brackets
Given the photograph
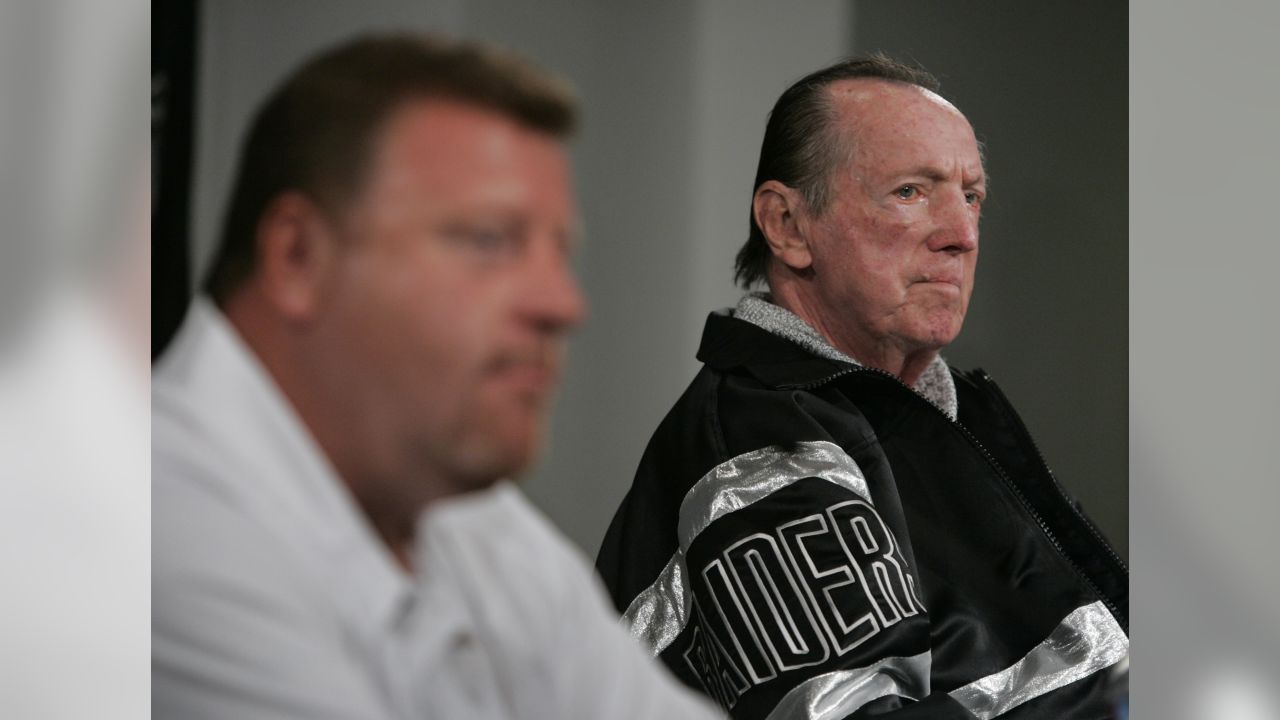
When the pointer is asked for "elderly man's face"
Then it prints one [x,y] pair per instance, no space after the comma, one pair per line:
[455,291]
[895,252]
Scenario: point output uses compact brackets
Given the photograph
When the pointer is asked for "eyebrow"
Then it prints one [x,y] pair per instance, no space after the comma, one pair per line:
[934,174]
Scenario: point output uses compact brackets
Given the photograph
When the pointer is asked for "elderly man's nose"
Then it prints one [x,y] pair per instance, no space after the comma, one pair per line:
[957,227]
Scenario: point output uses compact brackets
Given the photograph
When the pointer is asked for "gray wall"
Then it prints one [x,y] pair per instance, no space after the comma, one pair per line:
[675,96]
[1045,85]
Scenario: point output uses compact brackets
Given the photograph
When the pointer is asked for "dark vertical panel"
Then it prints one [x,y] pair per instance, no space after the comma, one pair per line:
[173,51]
[1046,88]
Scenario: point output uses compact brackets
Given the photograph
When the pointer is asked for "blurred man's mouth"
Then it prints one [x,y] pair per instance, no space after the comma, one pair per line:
[535,378]
[534,375]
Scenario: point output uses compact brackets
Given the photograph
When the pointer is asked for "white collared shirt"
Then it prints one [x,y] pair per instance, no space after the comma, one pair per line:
[273,598]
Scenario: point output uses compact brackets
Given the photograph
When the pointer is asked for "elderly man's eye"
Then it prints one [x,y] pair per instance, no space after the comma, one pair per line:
[906,192]
[973,198]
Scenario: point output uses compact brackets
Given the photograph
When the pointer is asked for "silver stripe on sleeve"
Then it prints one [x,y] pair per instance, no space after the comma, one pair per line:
[837,694]
[658,614]
[743,480]
[1088,640]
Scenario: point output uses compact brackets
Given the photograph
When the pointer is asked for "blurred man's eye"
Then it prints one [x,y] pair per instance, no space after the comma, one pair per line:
[491,240]
[485,241]
[906,192]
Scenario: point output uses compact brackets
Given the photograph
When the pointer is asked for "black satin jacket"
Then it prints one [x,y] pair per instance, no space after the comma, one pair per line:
[807,538]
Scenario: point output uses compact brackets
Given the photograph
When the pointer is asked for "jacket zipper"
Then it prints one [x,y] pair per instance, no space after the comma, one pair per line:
[1022,427]
[1026,504]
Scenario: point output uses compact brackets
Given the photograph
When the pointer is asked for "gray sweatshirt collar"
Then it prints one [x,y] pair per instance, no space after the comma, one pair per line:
[934,385]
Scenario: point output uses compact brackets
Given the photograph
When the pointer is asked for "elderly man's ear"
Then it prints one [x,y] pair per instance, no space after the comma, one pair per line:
[297,248]
[780,213]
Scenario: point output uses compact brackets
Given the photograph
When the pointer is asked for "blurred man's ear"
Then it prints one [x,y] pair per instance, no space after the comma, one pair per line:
[778,211]
[296,249]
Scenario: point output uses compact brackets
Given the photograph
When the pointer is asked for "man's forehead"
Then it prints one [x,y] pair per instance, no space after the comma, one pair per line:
[455,138]
[897,123]
[855,97]
[438,121]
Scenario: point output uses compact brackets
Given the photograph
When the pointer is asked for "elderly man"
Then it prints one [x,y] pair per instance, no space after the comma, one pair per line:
[831,522]
[389,305]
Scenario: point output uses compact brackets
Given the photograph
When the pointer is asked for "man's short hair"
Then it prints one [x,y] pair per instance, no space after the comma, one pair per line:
[316,133]
[801,146]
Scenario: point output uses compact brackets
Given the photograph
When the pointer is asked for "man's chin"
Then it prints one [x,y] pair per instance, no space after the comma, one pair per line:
[940,328]
[485,463]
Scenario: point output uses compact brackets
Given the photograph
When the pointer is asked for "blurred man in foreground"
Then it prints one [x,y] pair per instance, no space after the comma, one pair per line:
[390,302]
[831,522]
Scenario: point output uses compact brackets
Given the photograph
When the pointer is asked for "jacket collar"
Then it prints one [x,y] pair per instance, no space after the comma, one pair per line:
[780,350]
[729,344]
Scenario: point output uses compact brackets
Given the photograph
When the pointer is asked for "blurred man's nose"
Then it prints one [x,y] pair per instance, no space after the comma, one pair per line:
[957,224]
[555,301]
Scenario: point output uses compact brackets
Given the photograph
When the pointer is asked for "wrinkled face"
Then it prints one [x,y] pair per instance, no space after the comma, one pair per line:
[894,253]
[454,292]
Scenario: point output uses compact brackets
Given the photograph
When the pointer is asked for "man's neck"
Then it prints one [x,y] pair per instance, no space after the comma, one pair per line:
[880,353]
[365,455]
[907,367]
[397,531]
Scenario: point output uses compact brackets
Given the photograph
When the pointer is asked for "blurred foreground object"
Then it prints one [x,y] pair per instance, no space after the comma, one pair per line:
[1204,391]
[74,294]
